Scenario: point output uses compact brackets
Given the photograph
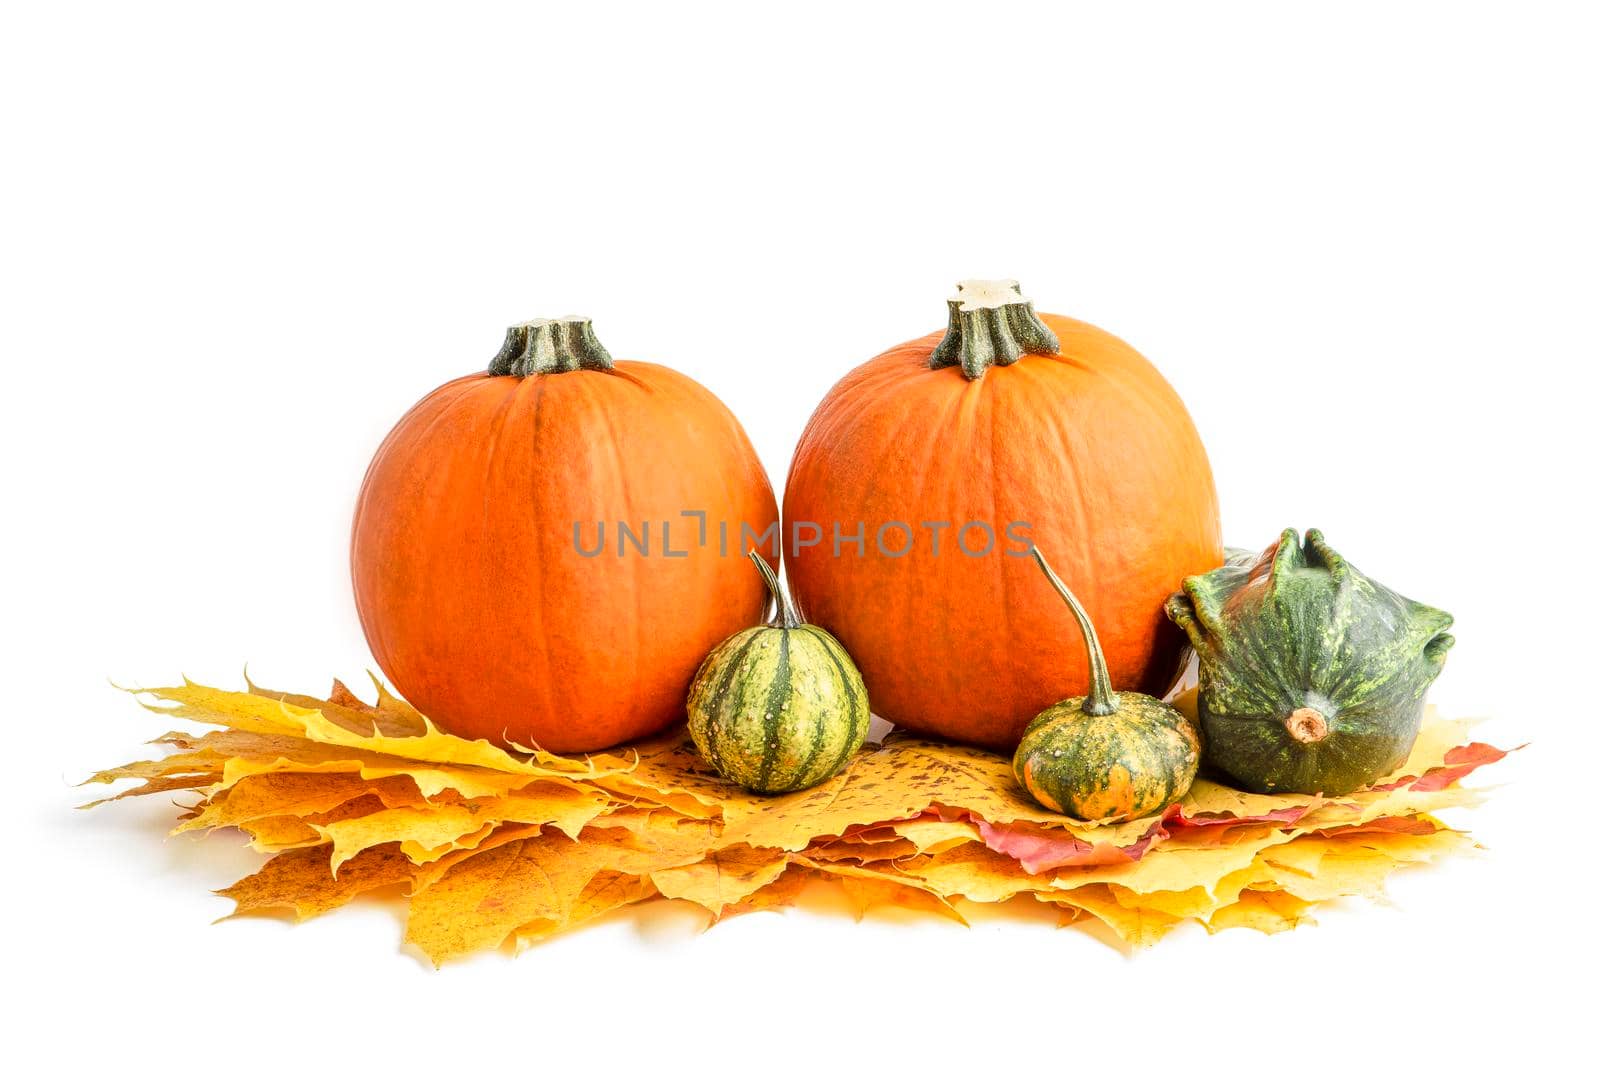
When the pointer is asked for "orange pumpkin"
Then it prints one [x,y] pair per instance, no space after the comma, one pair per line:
[473,551]
[1007,427]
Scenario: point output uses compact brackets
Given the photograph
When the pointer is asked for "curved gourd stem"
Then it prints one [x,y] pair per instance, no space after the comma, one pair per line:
[787,618]
[990,323]
[550,347]
[1102,701]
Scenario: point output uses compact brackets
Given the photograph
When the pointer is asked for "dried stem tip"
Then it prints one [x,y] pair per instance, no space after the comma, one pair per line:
[1307,725]
[990,323]
[549,347]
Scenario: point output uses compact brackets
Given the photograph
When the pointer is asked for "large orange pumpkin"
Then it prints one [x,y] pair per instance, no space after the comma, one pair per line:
[473,550]
[1010,429]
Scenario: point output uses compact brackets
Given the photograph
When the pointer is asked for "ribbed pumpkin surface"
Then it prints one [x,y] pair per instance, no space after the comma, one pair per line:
[1090,447]
[473,598]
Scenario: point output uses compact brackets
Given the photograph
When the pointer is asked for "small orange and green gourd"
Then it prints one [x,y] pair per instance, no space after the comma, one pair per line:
[778,707]
[1109,756]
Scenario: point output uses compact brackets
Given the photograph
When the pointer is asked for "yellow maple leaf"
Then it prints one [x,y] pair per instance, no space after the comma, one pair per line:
[1267,911]
[506,847]
[391,716]
[1317,869]
[159,784]
[272,712]
[1176,866]
[869,886]
[860,851]
[782,892]
[607,892]
[296,794]
[302,881]
[427,833]
[1200,902]
[931,834]
[670,772]
[1136,926]
[976,873]
[483,900]
[238,754]
[724,878]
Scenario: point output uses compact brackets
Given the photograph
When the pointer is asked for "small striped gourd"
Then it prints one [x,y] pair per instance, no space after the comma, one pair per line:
[1108,756]
[779,707]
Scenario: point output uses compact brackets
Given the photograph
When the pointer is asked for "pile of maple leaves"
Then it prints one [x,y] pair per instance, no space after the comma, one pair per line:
[504,848]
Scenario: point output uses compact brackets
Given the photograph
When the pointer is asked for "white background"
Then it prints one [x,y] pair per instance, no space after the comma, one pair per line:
[1360,240]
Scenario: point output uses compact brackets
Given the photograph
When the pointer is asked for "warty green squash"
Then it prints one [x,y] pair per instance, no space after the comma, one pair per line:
[1312,676]
[1108,756]
[779,707]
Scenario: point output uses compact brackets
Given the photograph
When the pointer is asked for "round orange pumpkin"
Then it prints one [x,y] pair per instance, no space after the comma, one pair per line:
[1007,428]
[474,557]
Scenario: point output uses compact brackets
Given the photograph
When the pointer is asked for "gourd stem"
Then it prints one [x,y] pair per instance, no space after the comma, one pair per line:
[1306,725]
[550,347]
[1102,700]
[786,613]
[990,324]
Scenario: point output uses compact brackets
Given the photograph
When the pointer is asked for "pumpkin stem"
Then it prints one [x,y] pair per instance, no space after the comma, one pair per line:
[550,347]
[787,618]
[1101,700]
[990,324]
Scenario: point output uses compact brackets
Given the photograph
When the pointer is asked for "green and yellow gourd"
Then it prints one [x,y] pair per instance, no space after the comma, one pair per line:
[1108,756]
[1312,676]
[779,707]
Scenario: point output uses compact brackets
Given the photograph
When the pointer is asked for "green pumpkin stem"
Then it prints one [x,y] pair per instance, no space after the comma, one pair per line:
[786,618]
[990,324]
[1102,701]
[550,347]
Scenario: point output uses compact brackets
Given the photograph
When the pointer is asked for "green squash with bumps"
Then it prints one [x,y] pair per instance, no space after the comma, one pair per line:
[1109,756]
[779,707]
[1312,676]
